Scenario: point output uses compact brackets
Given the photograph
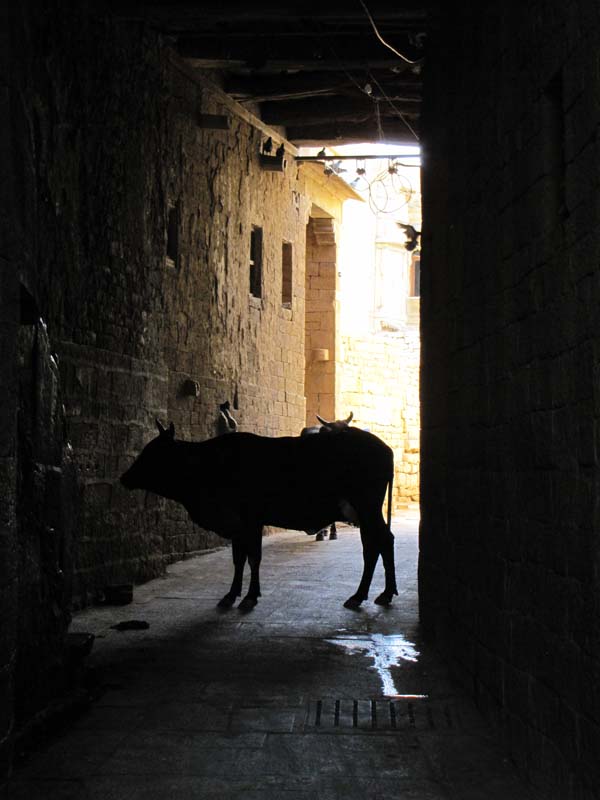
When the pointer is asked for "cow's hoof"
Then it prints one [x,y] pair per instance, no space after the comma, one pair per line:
[227,601]
[320,536]
[333,535]
[247,603]
[384,599]
[353,602]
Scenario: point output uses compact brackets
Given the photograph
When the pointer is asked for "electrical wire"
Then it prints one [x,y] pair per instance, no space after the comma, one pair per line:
[378,121]
[395,108]
[382,40]
[363,89]
[384,187]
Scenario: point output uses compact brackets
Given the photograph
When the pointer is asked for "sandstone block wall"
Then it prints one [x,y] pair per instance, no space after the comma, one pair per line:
[130,225]
[385,400]
[321,320]
[141,220]
[509,575]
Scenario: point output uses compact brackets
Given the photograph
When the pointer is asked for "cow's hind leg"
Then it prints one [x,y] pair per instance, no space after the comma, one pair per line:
[254,550]
[370,556]
[386,548]
[238,552]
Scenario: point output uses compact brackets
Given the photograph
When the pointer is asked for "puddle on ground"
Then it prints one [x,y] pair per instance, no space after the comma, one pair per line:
[386,652]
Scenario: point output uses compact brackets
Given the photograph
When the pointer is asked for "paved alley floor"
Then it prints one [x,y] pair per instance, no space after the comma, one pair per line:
[300,699]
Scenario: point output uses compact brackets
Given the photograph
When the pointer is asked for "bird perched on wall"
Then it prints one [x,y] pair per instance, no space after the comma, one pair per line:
[412,235]
[268,145]
[280,150]
[321,153]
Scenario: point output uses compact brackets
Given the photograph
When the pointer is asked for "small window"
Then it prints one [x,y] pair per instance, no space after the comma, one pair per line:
[286,275]
[256,262]
[414,276]
[172,256]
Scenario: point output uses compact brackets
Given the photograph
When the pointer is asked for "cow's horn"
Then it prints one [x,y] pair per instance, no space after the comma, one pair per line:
[163,431]
[348,419]
[322,421]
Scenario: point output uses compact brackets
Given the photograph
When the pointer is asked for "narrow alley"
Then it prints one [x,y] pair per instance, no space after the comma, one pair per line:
[301,698]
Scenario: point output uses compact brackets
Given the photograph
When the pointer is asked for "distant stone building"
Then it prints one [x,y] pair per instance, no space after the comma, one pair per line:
[362,310]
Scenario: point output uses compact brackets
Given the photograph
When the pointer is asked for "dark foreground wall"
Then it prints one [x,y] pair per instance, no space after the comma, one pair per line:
[510,542]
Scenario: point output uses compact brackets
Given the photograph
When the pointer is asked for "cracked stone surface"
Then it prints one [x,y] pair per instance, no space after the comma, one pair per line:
[300,698]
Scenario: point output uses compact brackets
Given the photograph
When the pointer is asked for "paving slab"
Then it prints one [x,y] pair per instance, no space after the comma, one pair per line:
[300,698]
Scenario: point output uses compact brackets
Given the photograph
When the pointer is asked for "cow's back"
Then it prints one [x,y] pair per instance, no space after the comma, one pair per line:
[289,481]
[350,452]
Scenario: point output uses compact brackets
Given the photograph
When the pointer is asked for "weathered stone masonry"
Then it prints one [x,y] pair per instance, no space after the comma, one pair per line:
[130,236]
[387,399]
[509,570]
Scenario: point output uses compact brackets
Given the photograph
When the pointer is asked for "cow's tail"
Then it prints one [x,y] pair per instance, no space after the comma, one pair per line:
[389,506]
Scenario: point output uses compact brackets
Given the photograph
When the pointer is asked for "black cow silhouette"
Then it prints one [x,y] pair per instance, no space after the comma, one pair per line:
[234,485]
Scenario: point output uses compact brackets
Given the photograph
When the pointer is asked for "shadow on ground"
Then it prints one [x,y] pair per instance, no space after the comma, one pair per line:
[301,698]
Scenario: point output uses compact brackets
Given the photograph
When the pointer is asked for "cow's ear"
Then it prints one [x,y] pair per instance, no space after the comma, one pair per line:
[160,427]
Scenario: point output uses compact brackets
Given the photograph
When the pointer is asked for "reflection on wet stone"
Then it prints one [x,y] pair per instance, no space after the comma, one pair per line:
[386,652]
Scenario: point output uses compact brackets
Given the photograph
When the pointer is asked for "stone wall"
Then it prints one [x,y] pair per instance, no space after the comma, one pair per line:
[131,223]
[321,320]
[385,400]
[510,555]
[47,511]
[8,519]
[122,171]
[9,389]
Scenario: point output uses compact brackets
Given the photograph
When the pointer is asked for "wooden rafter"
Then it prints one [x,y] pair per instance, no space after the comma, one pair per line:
[316,70]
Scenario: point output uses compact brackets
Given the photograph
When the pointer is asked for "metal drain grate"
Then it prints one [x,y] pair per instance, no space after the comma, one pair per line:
[382,714]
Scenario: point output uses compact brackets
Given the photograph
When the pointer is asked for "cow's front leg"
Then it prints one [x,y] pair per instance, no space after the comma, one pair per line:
[238,552]
[254,550]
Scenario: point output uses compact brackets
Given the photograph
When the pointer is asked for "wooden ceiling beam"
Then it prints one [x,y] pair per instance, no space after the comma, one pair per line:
[394,132]
[273,46]
[306,64]
[192,15]
[287,86]
[318,110]
[272,67]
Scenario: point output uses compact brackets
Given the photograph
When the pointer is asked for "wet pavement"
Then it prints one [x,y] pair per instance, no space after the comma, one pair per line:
[299,699]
